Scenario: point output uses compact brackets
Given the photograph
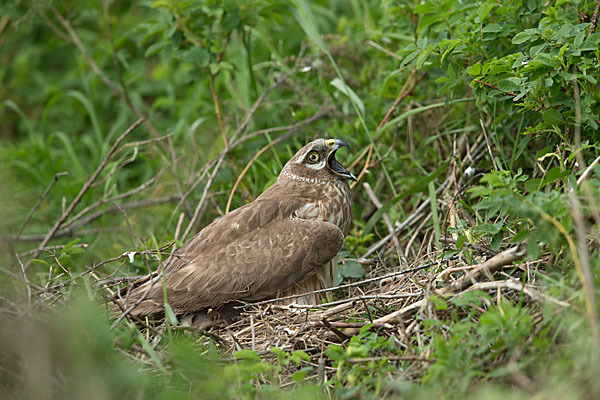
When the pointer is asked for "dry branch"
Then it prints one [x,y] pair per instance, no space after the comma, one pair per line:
[387,220]
[83,191]
[490,266]
[38,202]
[520,287]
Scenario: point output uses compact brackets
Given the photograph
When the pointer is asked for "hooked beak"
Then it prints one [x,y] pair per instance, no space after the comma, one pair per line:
[333,164]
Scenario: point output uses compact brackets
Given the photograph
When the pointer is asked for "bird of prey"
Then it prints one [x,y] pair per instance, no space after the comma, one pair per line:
[282,243]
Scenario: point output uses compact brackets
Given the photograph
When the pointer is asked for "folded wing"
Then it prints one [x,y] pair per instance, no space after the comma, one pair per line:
[217,268]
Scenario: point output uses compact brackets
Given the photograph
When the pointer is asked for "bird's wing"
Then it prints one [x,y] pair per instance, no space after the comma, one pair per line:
[255,265]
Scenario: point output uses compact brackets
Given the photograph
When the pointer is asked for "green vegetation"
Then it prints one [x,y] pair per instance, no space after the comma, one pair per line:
[488,110]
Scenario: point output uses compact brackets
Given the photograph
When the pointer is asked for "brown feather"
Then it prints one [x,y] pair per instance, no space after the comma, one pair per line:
[287,236]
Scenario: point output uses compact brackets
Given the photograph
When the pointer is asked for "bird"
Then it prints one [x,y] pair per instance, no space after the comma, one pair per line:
[283,243]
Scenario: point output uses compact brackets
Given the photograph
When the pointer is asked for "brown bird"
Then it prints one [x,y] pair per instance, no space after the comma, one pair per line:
[283,243]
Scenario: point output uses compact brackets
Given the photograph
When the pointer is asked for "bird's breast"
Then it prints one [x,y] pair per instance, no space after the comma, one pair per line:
[334,205]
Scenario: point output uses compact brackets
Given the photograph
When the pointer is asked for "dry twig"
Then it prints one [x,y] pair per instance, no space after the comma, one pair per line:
[82,192]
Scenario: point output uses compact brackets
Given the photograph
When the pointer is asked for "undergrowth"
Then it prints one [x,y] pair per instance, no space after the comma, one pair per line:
[476,121]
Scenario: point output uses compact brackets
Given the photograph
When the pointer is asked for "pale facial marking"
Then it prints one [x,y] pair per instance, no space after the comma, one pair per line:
[303,160]
[317,166]
[300,160]
[303,179]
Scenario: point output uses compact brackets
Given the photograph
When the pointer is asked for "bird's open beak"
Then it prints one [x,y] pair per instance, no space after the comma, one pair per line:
[333,164]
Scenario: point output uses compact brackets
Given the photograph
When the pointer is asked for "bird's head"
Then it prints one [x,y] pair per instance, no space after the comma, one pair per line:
[316,162]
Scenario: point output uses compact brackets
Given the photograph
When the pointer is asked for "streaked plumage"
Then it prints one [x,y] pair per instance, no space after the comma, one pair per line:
[282,243]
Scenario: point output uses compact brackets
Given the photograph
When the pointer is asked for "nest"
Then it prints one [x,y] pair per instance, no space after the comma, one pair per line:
[392,304]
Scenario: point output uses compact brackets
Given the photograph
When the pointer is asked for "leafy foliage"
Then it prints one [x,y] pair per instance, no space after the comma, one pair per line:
[496,103]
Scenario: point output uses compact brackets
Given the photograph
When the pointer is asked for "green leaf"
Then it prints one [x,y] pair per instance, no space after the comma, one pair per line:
[345,89]
[307,22]
[170,314]
[366,328]
[553,117]
[543,152]
[155,48]
[533,250]
[278,352]
[74,251]
[299,355]
[508,85]
[197,55]
[41,262]
[497,241]
[71,244]
[226,65]
[491,28]
[246,354]
[352,269]
[299,376]
[523,37]
[544,59]
[536,49]
[555,174]
[532,185]
[474,69]
[520,236]
[232,16]
[471,297]
[439,303]
[460,241]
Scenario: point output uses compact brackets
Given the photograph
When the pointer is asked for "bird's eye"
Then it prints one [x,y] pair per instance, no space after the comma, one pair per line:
[313,157]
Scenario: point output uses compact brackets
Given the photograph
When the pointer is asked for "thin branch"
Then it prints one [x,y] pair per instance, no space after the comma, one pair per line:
[83,190]
[37,204]
[401,226]
[260,152]
[404,92]
[218,110]
[121,92]
[488,144]
[51,248]
[471,159]
[72,229]
[584,258]
[587,171]
[388,358]
[495,87]
[105,200]
[207,186]
[54,28]
[240,129]
[264,94]
[353,299]
[520,287]
[493,264]
[318,115]
[77,42]
[387,220]
[144,142]
[127,255]
[366,166]
[384,50]
[577,129]
[348,285]
[487,267]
